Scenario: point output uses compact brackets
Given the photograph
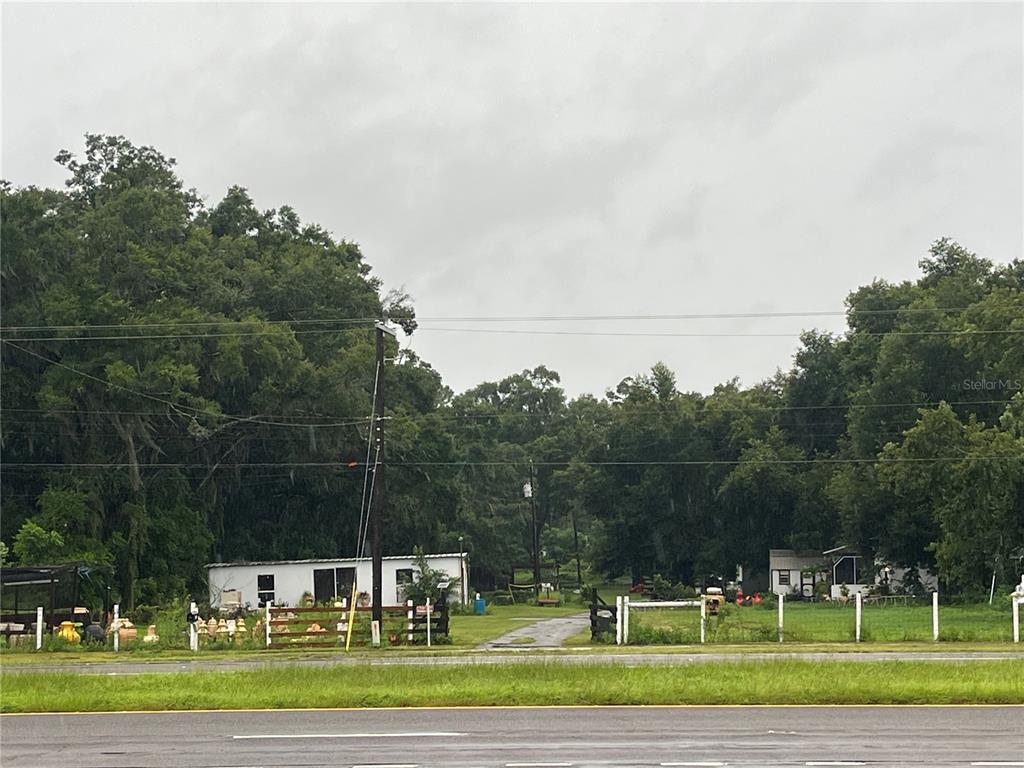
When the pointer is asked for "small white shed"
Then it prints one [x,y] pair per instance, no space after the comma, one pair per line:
[284,582]
[794,570]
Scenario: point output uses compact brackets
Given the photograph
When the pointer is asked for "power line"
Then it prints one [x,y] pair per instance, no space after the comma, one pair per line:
[176,406]
[59,433]
[198,335]
[189,324]
[673,334]
[363,507]
[80,411]
[687,316]
[511,331]
[490,318]
[702,411]
[40,418]
[646,463]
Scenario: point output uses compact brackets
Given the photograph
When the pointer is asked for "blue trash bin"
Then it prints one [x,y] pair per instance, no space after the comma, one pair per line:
[479,606]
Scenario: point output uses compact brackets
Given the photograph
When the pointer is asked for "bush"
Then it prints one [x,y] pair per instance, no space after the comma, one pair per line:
[427,582]
[143,614]
[663,589]
[661,635]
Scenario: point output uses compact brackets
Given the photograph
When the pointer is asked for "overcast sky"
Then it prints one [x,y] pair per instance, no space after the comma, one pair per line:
[565,160]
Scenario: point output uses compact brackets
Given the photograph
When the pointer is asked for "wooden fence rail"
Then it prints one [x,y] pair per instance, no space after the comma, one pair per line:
[328,626]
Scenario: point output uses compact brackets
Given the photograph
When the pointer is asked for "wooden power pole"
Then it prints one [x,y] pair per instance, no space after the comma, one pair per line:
[377,509]
[536,535]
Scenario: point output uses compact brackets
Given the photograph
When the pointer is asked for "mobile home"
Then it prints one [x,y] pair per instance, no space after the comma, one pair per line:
[286,582]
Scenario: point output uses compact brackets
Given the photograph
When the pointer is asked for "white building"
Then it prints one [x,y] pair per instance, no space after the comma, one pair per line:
[792,570]
[789,569]
[285,582]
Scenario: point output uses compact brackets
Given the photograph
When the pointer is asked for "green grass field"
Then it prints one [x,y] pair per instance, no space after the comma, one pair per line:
[822,623]
[773,682]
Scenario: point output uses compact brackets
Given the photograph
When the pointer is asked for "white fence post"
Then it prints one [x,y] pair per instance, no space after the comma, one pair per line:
[703,615]
[193,632]
[935,616]
[1016,619]
[266,628]
[428,622]
[409,613]
[39,628]
[341,625]
[626,621]
[618,619]
[117,627]
[782,602]
[858,602]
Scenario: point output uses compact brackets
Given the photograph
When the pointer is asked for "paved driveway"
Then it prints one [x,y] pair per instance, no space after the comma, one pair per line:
[548,633]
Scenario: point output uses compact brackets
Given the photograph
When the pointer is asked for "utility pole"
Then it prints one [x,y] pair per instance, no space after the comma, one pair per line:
[377,510]
[576,546]
[536,535]
[462,573]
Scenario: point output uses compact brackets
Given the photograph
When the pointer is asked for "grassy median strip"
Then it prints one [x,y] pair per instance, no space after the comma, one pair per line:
[762,682]
[579,644]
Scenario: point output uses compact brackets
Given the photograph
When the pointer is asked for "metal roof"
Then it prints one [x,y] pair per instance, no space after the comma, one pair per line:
[11,575]
[313,561]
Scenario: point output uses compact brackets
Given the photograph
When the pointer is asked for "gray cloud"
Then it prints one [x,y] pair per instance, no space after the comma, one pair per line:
[565,159]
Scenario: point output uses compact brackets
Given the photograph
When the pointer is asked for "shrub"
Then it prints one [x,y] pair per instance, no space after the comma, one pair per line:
[663,589]
[427,582]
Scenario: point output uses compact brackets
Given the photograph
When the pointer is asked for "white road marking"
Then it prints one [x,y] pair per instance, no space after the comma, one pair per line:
[706,764]
[388,765]
[999,762]
[423,734]
[537,765]
[836,762]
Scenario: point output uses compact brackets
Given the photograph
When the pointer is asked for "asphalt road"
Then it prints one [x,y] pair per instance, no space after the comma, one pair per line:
[505,656]
[929,737]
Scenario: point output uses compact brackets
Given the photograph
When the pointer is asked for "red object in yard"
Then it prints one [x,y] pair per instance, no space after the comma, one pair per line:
[739,597]
[757,598]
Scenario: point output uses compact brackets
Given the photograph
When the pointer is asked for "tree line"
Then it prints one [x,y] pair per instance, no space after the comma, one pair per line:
[184,383]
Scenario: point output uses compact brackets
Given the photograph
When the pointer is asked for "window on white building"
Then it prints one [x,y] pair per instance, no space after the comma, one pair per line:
[333,584]
[403,576]
[265,588]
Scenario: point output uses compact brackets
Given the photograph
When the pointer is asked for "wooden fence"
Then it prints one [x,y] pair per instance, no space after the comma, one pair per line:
[328,626]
